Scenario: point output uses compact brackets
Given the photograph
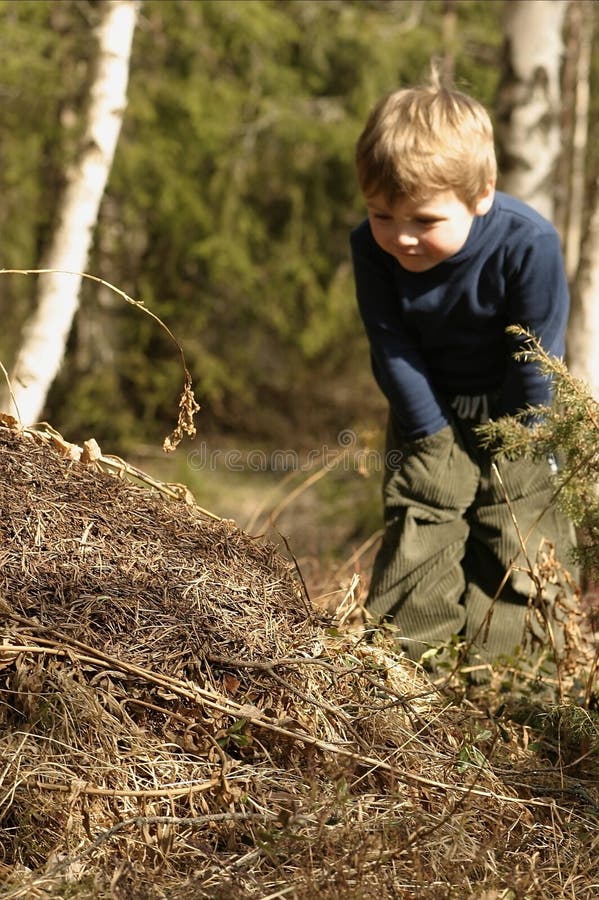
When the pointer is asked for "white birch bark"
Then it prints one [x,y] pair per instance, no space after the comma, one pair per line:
[583,329]
[45,335]
[528,100]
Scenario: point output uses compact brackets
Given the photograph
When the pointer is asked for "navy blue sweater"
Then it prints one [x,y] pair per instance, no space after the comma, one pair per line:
[440,333]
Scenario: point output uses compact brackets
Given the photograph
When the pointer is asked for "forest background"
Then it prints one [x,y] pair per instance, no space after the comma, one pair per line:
[227,212]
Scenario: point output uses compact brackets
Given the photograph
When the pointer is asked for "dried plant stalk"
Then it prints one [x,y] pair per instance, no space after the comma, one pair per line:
[188,405]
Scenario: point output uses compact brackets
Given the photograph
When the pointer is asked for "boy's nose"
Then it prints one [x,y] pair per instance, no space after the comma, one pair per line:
[405,238]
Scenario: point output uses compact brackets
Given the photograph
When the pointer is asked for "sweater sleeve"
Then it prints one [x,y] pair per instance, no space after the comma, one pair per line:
[397,363]
[537,293]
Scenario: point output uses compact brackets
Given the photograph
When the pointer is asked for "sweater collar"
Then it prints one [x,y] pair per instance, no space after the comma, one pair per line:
[476,236]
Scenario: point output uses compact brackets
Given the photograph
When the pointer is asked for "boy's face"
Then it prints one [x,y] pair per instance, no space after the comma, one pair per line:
[420,234]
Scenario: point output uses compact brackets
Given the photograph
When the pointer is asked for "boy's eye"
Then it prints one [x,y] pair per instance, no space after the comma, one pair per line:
[426,221]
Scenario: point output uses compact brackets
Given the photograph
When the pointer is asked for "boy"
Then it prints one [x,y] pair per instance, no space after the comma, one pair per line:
[442,266]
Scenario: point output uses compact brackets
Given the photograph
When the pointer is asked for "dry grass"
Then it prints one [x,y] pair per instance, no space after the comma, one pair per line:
[176,720]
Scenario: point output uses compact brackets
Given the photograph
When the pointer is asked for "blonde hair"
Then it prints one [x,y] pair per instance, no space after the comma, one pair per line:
[424,139]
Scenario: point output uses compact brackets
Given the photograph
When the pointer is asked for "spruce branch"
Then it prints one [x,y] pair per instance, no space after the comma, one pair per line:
[567,430]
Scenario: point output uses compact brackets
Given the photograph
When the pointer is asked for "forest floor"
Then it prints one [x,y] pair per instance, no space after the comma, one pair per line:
[177,720]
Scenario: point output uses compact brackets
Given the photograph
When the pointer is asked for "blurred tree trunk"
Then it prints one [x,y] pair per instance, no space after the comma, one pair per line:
[449,23]
[580,227]
[583,328]
[528,100]
[46,333]
[581,37]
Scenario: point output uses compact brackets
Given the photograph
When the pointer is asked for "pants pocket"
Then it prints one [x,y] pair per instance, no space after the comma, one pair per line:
[435,474]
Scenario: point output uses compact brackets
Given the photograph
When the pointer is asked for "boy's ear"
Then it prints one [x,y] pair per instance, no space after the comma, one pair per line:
[485,201]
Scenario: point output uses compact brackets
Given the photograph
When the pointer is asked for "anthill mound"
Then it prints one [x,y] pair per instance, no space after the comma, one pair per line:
[145,578]
[177,721]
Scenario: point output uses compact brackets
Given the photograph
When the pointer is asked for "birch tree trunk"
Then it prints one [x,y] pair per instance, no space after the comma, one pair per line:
[582,342]
[45,335]
[528,100]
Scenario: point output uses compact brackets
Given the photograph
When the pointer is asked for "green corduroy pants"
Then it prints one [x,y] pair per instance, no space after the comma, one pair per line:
[450,538]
